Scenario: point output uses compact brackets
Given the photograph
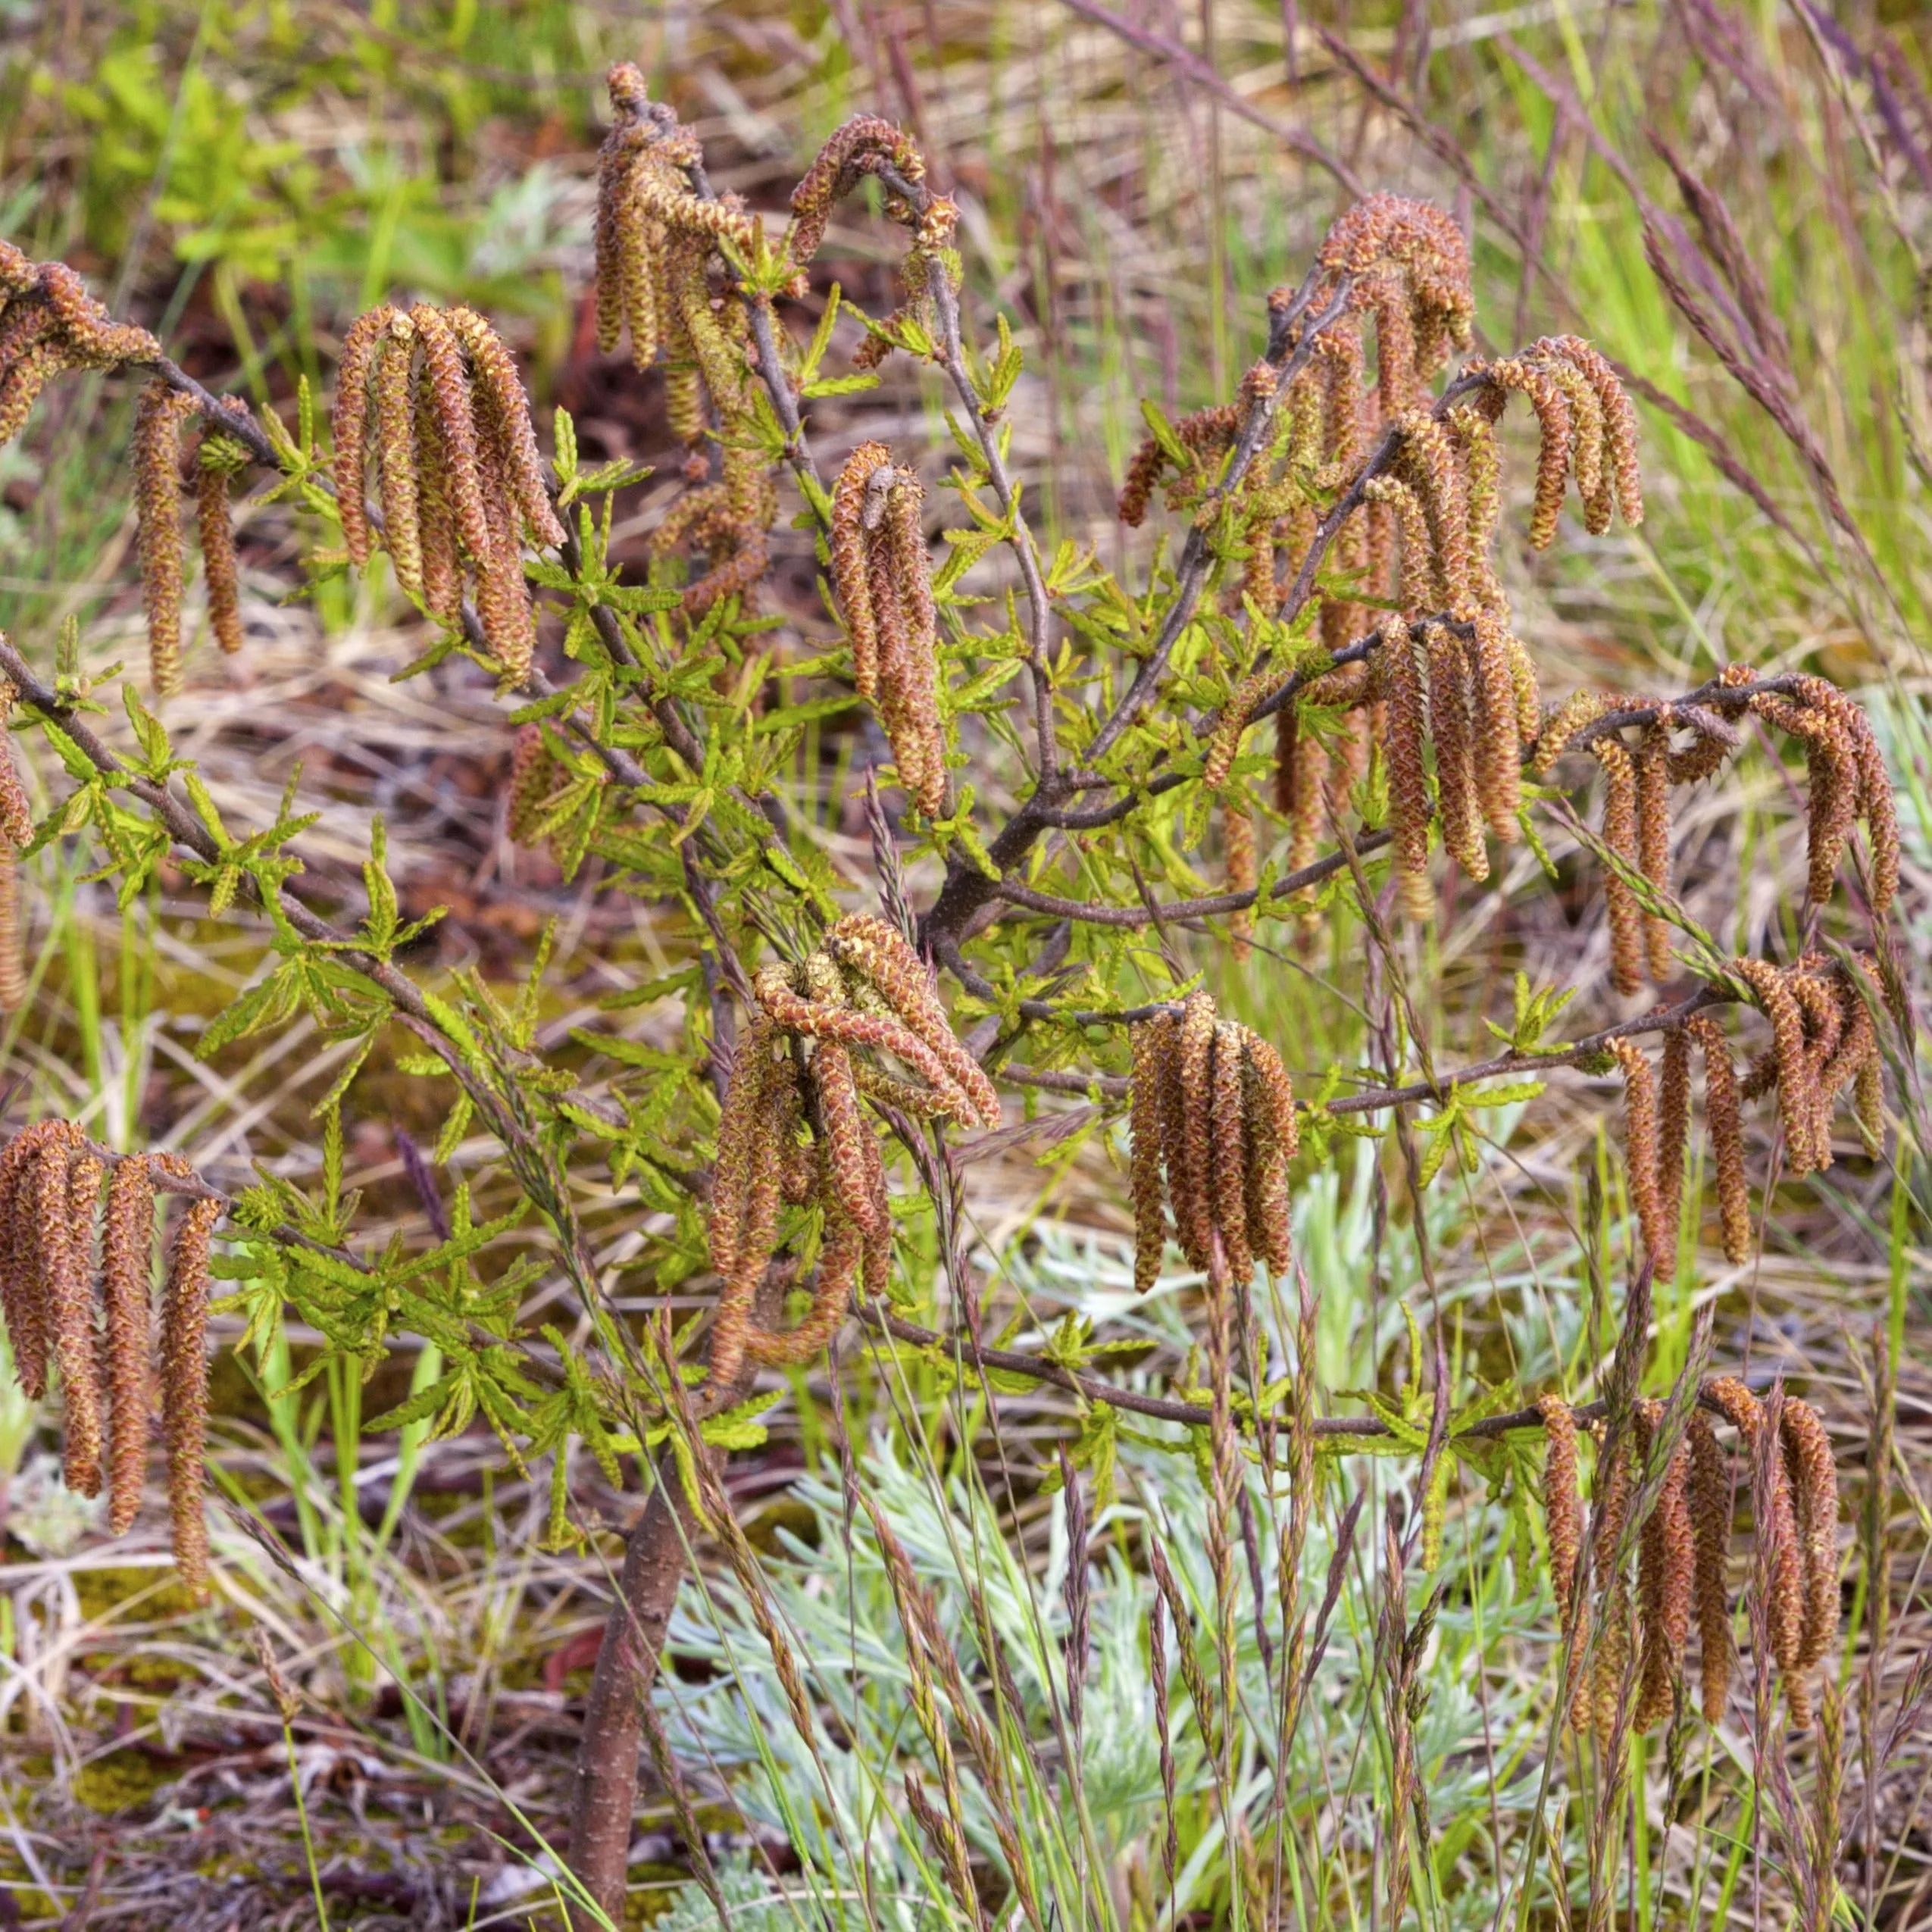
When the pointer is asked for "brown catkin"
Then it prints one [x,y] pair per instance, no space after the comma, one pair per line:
[1707,1492]
[1626,953]
[850,578]
[221,567]
[1228,1170]
[1615,1487]
[126,1243]
[1149,1042]
[65,1191]
[852,1155]
[1666,1567]
[1780,1563]
[1552,409]
[1408,784]
[1498,664]
[1653,844]
[16,813]
[499,390]
[1723,1117]
[1450,727]
[1274,1140]
[1673,1126]
[184,1378]
[1641,1145]
[12,937]
[1562,1500]
[435,558]
[1813,1473]
[22,1284]
[398,456]
[1797,1097]
[157,423]
[442,374]
[1192,1198]
[349,426]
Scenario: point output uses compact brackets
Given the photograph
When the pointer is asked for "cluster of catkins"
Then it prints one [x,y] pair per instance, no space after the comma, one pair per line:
[1682,1546]
[658,276]
[159,420]
[93,1323]
[1213,1128]
[868,145]
[883,578]
[1448,673]
[793,1131]
[459,479]
[49,323]
[1824,1040]
[1846,782]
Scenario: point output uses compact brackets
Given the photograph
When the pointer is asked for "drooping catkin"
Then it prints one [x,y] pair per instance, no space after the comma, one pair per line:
[1190,1172]
[12,937]
[1673,1126]
[1408,784]
[184,1378]
[1562,1500]
[221,569]
[126,1241]
[1640,1150]
[1812,1472]
[1708,1495]
[1666,1567]
[400,452]
[1620,832]
[1275,1140]
[1149,1043]
[23,1278]
[157,421]
[1780,1563]
[1653,843]
[65,1191]
[1500,667]
[1229,1142]
[1723,1118]
[1451,726]
[1614,1487]
[1796,1085]
[348,427]
[1546,397]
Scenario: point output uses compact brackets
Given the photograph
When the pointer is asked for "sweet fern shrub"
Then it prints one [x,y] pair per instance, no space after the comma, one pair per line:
[1312,703]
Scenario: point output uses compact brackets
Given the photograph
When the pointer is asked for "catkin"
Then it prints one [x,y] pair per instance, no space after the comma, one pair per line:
[1795,1084]
[1562,1500]
[1409,784]
[1620,836]
[1615,1488]
[1812,1472]
[23,1283]
[12,937]
[1708,1495]
[1640,1151]
[1666,1567]
[1228,1161]
[1450,725]
[184,1380]
[66,1185]
[158,423]
[1673,1126]
[127,1239]
[348,425]
[1189,1168]
[1723,1118]
[1653,843]
[1149,1043]
[1238,845]
[220,568]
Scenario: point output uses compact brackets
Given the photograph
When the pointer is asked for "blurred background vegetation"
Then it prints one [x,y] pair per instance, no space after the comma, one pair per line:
[1733,198]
